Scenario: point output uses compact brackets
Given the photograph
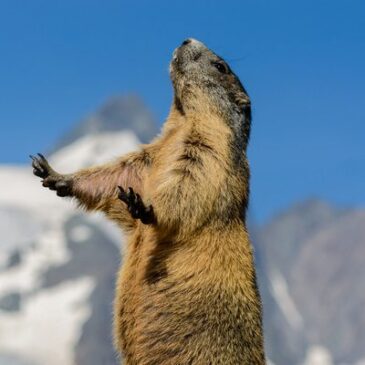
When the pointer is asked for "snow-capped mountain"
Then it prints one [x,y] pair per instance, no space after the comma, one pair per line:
[127,113]
[57,264]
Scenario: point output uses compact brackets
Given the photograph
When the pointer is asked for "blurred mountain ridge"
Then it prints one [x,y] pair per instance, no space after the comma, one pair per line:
[126,112]
[311,259]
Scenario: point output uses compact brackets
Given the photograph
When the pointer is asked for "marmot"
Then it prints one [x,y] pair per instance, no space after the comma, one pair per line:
[186,292]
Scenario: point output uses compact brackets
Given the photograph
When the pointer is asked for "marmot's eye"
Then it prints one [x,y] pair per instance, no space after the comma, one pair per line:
[221,67]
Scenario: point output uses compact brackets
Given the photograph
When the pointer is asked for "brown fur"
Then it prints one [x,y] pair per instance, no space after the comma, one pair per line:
[186,293]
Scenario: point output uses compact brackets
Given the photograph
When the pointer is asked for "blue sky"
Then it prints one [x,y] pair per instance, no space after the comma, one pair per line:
[302,63]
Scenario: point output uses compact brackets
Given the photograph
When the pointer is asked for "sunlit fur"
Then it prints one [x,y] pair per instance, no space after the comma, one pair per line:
[186,292]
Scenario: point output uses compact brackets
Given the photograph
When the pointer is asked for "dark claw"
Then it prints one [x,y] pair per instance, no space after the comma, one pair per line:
[130,193]
[63,188]
[37,172]
[45,183]
[35,163]
[40,166]
[50,186]
[122,195]
[51,179]
[135,205]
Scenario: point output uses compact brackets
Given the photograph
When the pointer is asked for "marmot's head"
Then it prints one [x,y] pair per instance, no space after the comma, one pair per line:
[196,70]
[204,83]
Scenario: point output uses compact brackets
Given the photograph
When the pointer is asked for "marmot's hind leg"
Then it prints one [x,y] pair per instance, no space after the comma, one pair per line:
[62,184]
[136,207]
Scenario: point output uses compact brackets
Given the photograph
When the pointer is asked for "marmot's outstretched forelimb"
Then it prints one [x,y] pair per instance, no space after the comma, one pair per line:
[97,188]
[187,291]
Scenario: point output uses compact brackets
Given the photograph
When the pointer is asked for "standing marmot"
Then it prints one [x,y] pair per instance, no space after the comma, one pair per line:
[186,293]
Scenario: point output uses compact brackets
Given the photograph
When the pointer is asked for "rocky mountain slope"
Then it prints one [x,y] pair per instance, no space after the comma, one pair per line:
[311,277]
[57,265]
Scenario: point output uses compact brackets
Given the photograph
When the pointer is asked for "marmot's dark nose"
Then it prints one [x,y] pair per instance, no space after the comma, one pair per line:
[187,41]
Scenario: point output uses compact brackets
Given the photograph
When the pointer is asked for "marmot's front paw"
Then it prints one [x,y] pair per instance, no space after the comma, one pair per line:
[136,207]
[51,179]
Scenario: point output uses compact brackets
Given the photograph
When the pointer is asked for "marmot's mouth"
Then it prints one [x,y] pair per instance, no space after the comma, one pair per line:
[175,63]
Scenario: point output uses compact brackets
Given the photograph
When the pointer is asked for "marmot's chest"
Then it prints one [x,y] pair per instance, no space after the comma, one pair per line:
[159,311]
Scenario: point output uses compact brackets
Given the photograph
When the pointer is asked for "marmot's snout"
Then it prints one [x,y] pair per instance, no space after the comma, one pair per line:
[190,50]
[195,66]
[187,41]
[190,41]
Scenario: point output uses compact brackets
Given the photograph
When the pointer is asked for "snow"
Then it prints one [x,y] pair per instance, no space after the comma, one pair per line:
[20,188]
[93,150]
[18,227]
[12,359]
[48,328]
[3,259]
[44,213]
[80,233]
[280,291]
[49,323]
[318,355]
[50,250]
[109,228]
